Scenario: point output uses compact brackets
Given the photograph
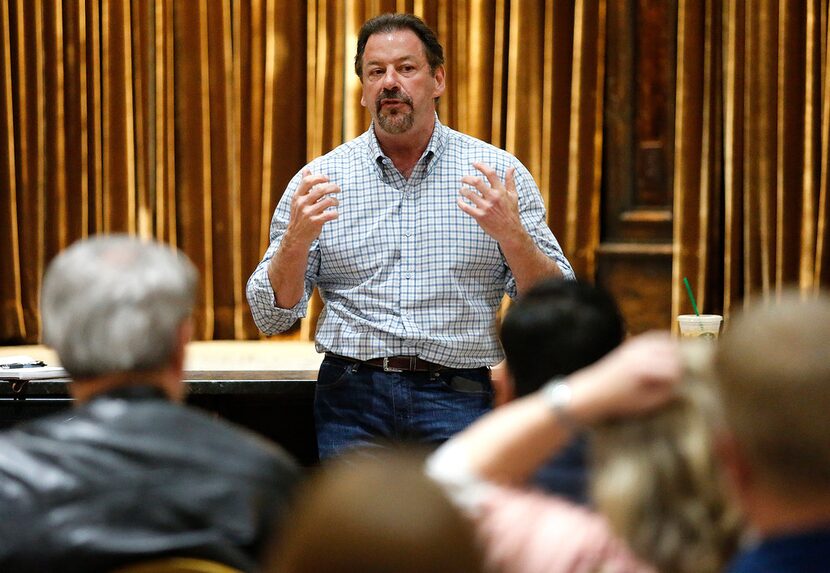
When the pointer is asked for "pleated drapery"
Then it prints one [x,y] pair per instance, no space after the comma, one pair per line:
[752,139]
[180,120]
[184,120]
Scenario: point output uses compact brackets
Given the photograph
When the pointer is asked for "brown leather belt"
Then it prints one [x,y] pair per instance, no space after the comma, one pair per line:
[395,363]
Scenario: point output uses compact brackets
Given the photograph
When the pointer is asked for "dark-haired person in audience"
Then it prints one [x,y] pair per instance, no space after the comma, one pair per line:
[130,474]
[773,372]
[660,506]
[412,233]
[553,330]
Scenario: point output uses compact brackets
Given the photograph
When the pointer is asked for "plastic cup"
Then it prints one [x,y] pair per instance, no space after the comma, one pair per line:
[706,326]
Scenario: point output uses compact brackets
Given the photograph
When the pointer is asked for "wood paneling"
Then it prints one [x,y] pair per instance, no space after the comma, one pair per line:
[634,258]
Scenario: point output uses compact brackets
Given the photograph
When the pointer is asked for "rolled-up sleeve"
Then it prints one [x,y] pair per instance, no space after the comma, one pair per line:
[534,219]
[268,317]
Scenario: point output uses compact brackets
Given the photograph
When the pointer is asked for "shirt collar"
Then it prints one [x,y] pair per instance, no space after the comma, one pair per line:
[434,149]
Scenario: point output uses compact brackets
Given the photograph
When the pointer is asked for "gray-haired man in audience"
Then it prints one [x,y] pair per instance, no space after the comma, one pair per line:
[129,474]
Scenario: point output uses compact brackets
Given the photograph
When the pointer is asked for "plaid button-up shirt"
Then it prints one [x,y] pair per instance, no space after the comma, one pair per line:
[402,270]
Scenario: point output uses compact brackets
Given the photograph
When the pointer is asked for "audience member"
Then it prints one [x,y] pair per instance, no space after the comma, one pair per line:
[773,372]
[375,513]
[652,434]
[657,480]
[129,474]
[553,330]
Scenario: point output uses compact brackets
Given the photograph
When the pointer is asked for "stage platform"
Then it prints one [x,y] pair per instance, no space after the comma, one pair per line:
[266,386]
[220,355]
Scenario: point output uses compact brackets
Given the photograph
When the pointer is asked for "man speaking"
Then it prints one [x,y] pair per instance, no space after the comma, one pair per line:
[412,233]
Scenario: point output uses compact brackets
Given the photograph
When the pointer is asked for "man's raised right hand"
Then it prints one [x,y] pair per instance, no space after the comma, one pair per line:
[310,208]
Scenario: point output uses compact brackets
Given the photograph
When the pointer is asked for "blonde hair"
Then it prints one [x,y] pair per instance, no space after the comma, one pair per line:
[656,480]
[373,514]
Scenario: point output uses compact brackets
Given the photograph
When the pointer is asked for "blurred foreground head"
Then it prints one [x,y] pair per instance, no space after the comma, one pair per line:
[375,513]
[657,479]
[773,370]
[116,304]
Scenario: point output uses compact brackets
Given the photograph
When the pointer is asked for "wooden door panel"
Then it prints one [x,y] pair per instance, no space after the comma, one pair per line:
[634,256]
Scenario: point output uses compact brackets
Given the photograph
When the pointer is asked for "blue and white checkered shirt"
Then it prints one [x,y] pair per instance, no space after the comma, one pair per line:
[402,270]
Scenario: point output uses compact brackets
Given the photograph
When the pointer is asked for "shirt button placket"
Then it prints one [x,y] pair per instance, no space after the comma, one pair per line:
[408,259]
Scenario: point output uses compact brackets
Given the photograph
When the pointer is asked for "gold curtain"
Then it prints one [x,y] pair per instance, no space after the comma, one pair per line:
[184,120]
[752,138]
[173,119]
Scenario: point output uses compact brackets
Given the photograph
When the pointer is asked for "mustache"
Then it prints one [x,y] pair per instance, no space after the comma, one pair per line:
[393,94]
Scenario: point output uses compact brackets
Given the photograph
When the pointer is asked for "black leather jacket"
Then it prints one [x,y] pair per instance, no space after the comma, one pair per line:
[129,476]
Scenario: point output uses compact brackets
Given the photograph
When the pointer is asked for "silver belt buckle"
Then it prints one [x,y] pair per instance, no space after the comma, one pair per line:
[387,368]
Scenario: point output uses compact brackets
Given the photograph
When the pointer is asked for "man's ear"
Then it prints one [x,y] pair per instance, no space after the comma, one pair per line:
[363,101]
[183,336]
[173,380]
[438,77]
[735,465]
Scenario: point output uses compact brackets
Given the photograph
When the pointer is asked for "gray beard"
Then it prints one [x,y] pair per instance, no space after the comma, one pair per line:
[395,123]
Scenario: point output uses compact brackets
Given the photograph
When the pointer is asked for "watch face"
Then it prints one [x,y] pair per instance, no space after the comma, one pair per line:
[558,396]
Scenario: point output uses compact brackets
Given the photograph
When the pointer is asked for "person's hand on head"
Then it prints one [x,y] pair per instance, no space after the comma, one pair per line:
[310,207]
[638,377]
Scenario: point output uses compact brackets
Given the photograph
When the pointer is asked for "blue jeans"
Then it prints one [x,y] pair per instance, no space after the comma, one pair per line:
[356,404]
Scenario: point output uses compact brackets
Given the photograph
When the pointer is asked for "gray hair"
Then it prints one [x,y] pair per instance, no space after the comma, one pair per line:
[115,304]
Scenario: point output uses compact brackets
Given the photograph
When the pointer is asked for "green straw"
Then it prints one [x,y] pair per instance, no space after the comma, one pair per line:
[691,296]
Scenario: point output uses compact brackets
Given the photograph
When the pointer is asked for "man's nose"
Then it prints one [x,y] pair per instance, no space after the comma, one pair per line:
[390,78]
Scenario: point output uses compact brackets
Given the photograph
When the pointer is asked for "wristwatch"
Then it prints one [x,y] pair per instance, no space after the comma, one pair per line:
[557,394]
